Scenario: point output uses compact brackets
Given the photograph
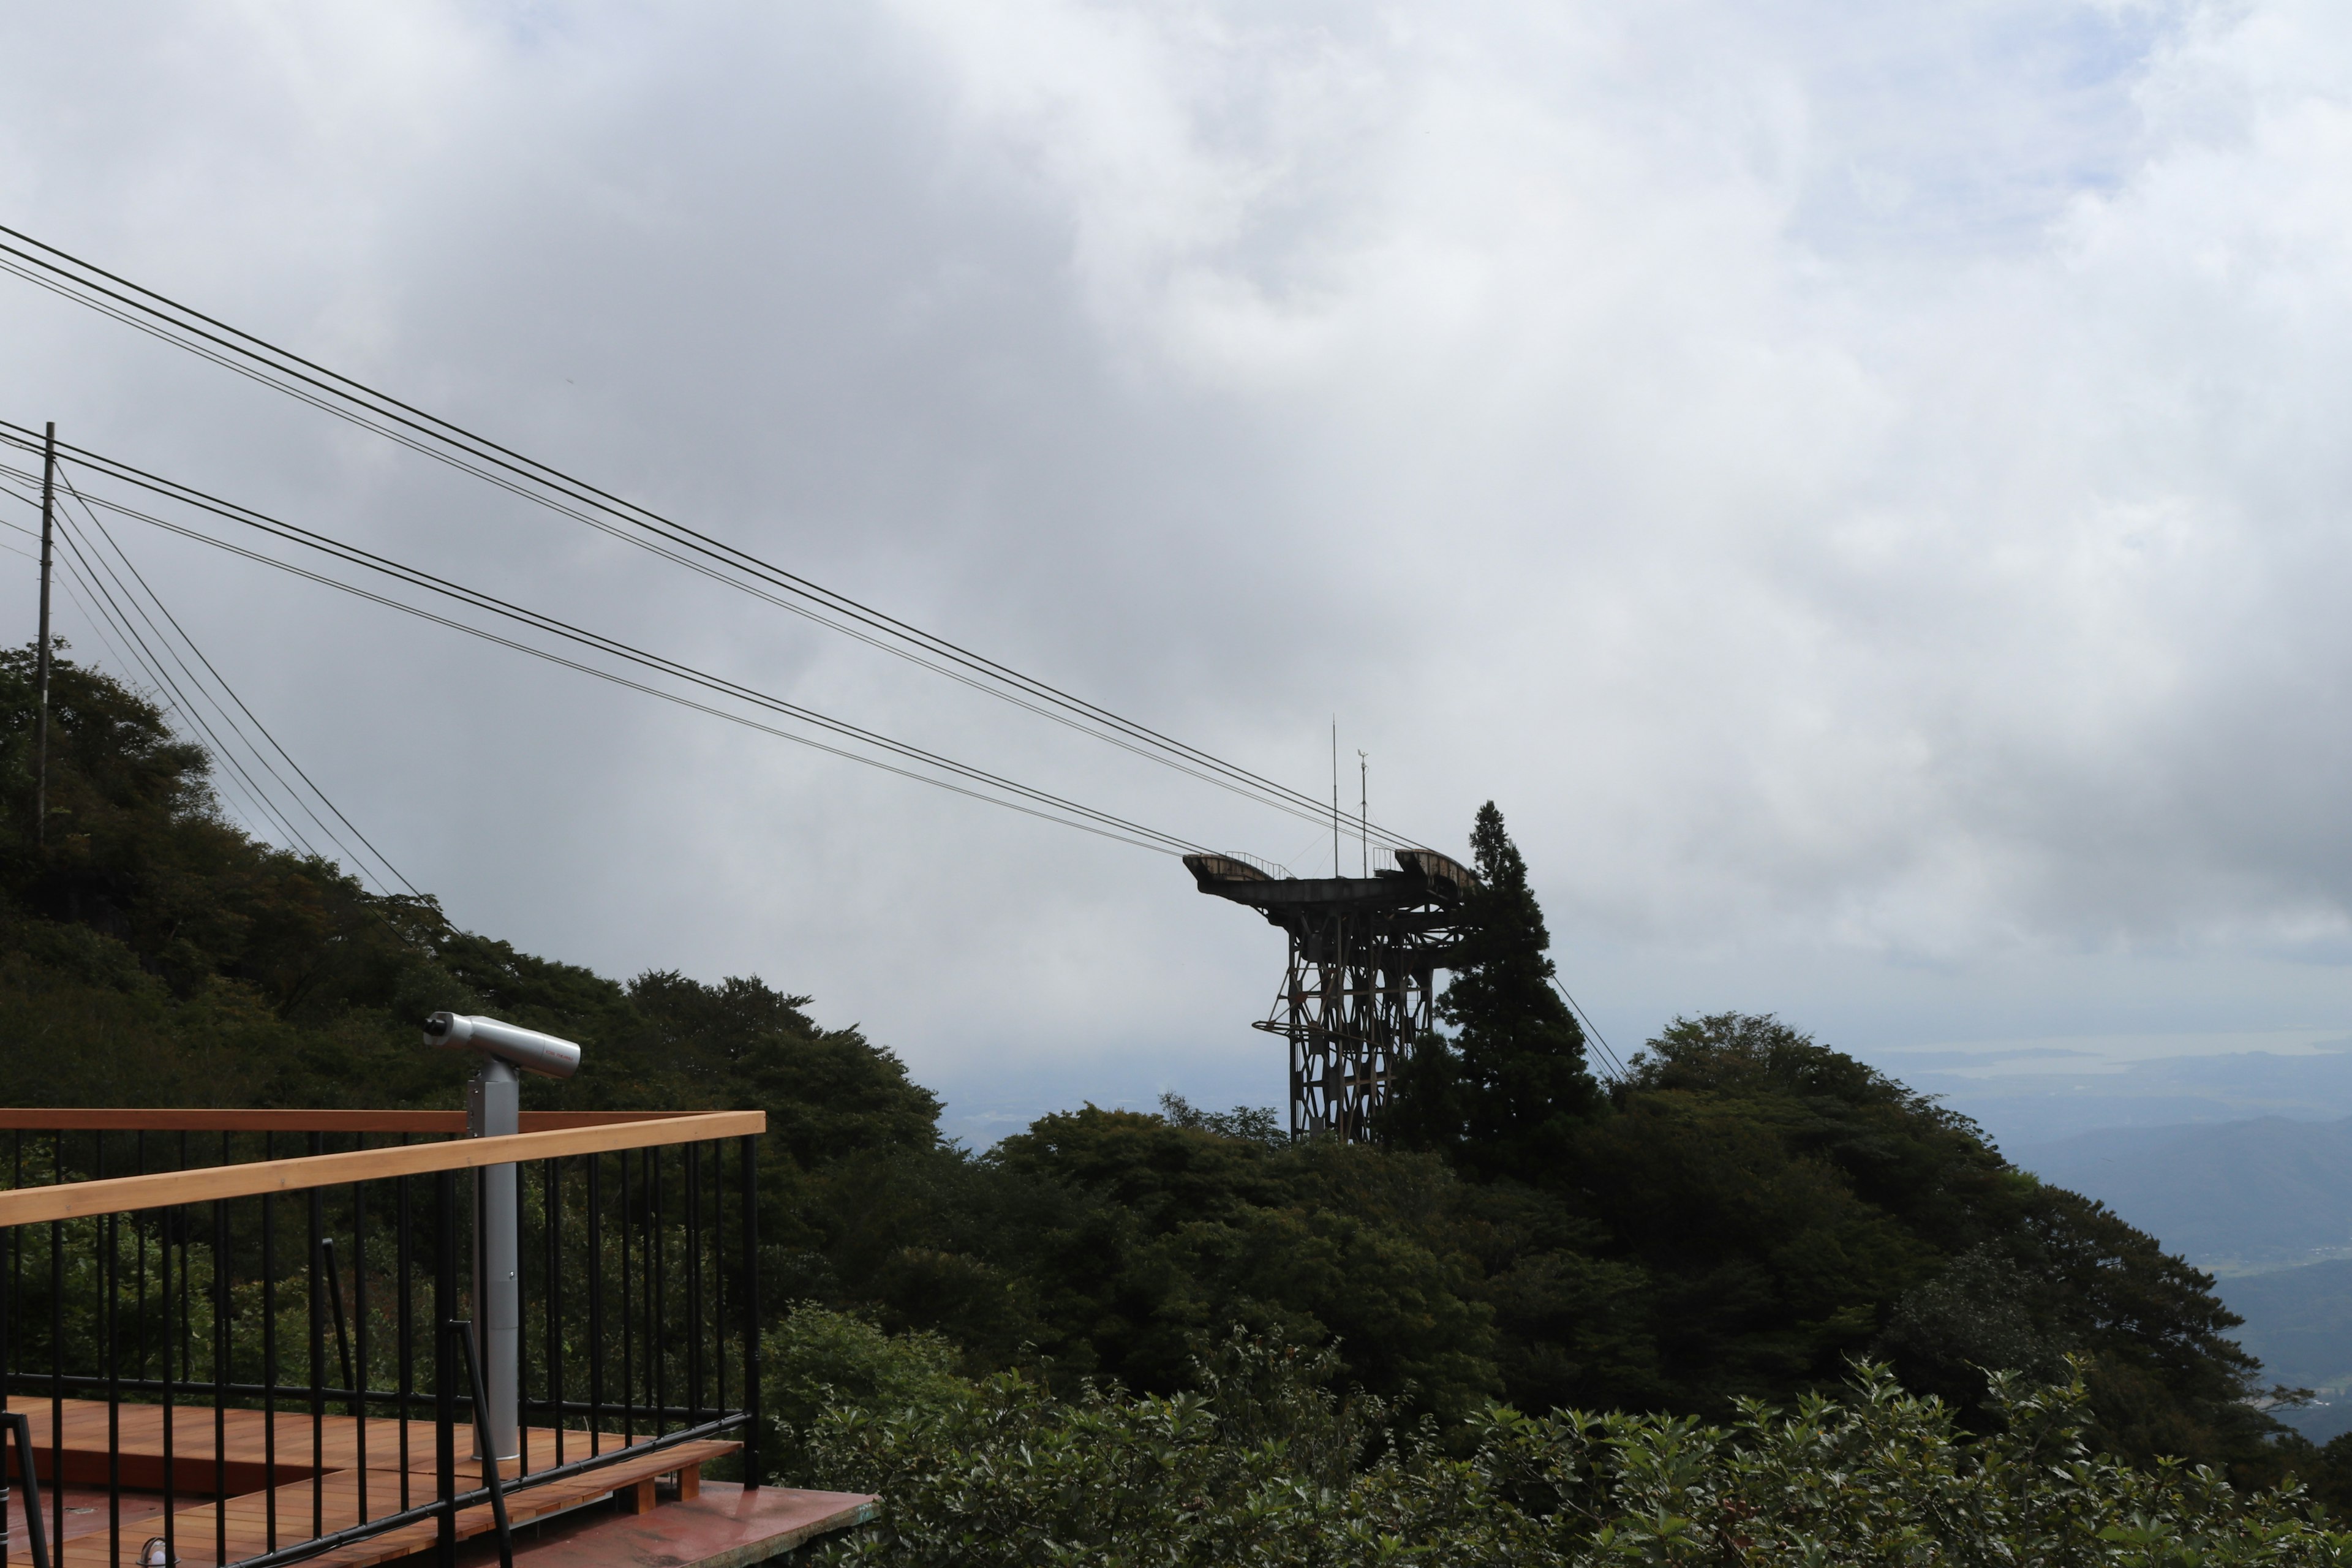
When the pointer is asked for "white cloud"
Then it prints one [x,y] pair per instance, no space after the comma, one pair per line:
[1858,484]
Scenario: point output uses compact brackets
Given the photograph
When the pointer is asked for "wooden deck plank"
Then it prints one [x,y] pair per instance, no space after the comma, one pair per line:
[247,1445]
[332,1492]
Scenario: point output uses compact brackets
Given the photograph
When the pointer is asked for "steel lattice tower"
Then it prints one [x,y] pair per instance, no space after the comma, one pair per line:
[1361,986]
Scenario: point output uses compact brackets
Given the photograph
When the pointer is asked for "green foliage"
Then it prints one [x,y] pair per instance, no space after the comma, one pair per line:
[152,953]
[1263,1463]
[1504,1096]
[1744,1213]
[1119,1243]
[1794,1207]
[815,1361]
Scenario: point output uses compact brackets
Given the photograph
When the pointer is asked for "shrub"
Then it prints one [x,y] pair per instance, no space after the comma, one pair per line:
[1265,1466]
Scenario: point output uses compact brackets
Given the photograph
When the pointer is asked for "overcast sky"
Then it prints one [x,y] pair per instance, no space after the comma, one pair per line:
[1862,486]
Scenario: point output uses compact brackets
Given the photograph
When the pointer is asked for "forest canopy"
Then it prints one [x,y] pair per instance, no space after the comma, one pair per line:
[1746,1215]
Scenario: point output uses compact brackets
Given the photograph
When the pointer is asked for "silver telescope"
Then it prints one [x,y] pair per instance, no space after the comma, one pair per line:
[517,1046]
[494,1109]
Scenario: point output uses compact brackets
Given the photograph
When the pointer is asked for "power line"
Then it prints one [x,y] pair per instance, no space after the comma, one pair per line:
[223,683]
[67,533]
[268,803]
[67,578]
[1104,823]
[143,659]
[347,398]
[261,809]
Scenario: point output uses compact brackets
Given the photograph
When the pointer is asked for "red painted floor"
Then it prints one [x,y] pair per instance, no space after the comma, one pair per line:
[726,1527]
[86,1514]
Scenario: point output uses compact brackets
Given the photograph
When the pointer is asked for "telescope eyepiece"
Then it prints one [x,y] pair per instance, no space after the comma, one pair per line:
[435,1025]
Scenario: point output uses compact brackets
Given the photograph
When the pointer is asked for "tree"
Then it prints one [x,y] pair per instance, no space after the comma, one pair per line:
[1504,1096]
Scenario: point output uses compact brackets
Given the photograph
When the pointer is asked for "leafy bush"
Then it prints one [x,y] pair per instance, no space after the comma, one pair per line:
[1265,1466]
[815,1359]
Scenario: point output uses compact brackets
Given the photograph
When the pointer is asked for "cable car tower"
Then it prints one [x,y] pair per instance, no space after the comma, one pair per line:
[1364,952]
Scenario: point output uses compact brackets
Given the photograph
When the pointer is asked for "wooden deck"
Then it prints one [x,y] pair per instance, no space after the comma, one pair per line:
[354,1473]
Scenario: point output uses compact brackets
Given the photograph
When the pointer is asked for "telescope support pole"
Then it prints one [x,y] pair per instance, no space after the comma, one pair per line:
[494,1109]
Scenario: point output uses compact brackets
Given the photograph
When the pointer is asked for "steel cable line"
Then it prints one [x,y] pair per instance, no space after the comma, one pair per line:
[64,478]
[356,556]
[1104,824]
[346,397]
[66,578]
[94,563]
[159,673]
[1617,1067]
[353,554]
[156,672]
[413,576]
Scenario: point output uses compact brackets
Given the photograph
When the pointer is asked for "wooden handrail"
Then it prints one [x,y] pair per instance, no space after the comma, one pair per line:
[121,1195]
[42,1119]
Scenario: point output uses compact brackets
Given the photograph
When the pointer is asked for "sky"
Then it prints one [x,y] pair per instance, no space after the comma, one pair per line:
[1862,487]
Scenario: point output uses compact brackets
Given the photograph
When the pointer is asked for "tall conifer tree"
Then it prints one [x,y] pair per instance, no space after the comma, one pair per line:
[1504,1095]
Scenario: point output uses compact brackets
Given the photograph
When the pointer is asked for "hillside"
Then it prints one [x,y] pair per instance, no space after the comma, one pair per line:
[1747,1213]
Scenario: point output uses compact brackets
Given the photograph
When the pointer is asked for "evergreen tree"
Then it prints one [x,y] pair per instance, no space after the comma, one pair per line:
[1504,1096]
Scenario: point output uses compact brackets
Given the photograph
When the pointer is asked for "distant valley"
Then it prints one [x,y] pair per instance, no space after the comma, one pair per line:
[2266,1203]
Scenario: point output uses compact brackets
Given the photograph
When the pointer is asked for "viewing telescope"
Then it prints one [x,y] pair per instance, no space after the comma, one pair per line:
[515,1046]
[494,1109]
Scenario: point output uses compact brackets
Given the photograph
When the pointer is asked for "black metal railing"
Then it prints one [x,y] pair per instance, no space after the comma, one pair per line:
[198,1316]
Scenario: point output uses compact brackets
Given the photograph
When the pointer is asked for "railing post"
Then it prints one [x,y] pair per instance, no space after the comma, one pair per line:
[56,1360]
[314,1302]
[751,1312]
[595,1201]
[171,1477]
[220,1367]
[445,1380]
[463,1333]
[6,1363]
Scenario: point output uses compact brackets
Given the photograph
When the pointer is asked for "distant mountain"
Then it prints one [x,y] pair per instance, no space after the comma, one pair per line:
[2031,1100]
[2232,1196]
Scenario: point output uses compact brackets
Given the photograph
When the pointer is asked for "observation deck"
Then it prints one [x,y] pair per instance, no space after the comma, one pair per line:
[260,1360]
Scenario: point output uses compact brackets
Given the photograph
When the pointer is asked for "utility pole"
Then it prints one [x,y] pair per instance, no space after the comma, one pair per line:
[1335,794]
[41,656]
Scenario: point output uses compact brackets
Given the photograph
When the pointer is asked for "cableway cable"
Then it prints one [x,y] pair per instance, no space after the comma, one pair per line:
[347,398]
[1617,1067]
[1103,822]
[353,554]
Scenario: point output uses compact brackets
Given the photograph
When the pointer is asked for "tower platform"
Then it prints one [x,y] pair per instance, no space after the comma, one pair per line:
[1358,993]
